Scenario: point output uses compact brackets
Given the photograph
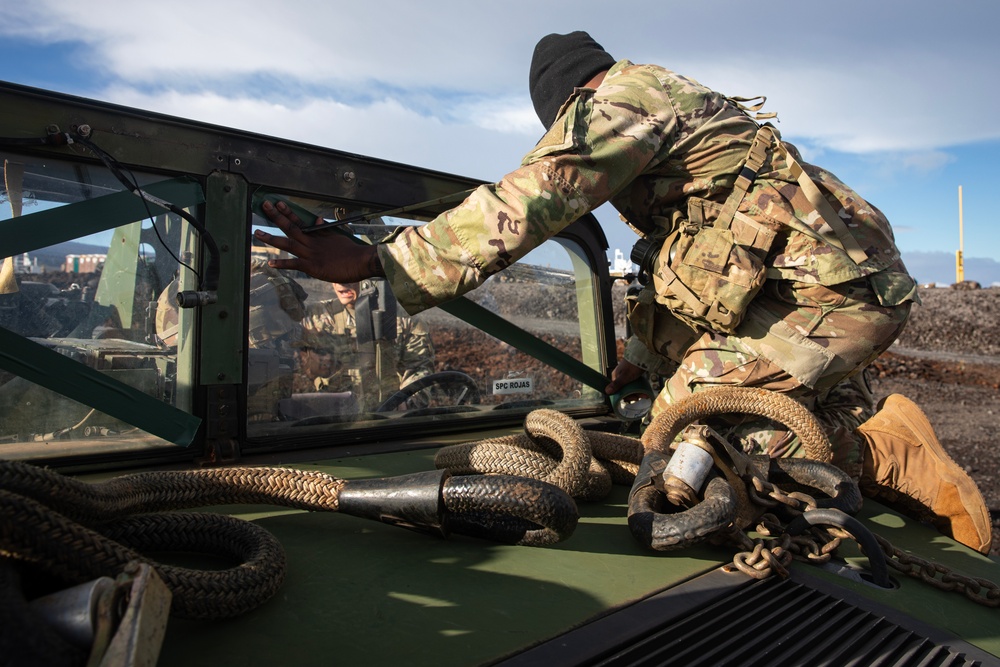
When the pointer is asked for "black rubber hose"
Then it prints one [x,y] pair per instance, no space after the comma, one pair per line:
[666,532]
[865,538]
[843,491]
[505,508]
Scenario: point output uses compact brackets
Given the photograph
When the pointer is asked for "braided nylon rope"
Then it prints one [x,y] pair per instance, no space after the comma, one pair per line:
[81,531]
[554,449]
[741,400]
[515,510]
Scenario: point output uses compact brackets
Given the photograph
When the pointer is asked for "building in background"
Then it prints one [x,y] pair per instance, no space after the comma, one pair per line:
[27,264]
[83,263]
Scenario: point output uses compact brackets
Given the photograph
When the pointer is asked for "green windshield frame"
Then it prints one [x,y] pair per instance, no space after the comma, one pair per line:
[69,377]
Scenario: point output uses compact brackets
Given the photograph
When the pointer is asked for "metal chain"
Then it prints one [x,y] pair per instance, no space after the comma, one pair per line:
[980,591]
[771,554]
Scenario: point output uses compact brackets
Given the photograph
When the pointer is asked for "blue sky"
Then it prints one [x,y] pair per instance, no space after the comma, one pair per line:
[896,97]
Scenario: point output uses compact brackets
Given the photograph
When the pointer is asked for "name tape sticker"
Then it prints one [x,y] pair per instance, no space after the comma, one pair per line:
[513,386]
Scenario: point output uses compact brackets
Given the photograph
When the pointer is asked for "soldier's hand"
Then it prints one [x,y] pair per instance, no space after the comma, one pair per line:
[326,255]
[623,373]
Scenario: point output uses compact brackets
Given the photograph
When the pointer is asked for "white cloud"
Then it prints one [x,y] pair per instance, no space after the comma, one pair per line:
[443,83]
[403,43]
[924,162]
[872,106]
[513,116]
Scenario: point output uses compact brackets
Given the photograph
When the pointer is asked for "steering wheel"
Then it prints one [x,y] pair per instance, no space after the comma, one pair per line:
[450,380]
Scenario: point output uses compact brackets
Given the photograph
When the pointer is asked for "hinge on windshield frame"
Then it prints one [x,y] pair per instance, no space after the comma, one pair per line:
[222,445]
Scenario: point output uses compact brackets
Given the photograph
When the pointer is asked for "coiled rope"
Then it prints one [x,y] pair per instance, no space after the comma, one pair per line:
[554,449]
[740,400]
[80,531]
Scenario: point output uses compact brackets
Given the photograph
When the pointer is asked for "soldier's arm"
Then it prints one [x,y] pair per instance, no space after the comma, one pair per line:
[416,351]
[600,145]
[329,255]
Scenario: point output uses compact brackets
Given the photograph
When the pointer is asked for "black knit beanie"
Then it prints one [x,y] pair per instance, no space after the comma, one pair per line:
[560,64]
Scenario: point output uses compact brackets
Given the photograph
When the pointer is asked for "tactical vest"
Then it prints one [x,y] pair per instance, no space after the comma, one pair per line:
[711,264]
[275,304]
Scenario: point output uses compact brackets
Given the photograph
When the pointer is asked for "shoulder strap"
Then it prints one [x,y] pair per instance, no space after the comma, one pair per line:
[752,110]
[763,140]
[835,231]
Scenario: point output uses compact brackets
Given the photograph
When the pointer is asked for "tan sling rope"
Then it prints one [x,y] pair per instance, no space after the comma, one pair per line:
[13,181]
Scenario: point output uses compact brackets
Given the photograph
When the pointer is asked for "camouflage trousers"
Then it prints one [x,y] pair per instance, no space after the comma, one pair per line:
[846,320]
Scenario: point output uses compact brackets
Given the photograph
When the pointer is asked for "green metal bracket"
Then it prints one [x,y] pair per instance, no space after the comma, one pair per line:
[227,218]
[474,314]
[121,271]
[72,379]
[70,222]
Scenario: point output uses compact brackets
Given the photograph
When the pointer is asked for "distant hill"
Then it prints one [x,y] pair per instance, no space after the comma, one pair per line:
[53,257]
[939,267]
[925,267]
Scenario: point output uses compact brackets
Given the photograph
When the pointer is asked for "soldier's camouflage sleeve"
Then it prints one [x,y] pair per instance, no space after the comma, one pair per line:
[637,353]
[416,351]
[587,157]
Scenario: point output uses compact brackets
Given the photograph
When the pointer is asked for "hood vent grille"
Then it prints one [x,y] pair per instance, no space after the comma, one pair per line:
[724,618]
[777,622]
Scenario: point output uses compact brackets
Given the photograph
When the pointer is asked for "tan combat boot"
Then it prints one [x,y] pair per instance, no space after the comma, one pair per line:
[906,467]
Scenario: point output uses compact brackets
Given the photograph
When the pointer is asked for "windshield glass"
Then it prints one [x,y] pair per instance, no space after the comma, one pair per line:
[349,355]
[115,365]
[96,297]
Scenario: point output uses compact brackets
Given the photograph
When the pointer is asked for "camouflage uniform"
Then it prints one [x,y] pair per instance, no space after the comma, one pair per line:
[662,148]
[275,316]
[330,340]
[276,308]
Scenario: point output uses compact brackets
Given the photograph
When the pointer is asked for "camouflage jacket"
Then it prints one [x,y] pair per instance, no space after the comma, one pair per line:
[648,140]
[330,328]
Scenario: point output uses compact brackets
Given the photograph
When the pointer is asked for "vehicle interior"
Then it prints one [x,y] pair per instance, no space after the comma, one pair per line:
[142,331]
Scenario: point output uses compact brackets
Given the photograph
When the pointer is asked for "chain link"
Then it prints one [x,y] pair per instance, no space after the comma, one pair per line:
[771,554]
[980,591]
